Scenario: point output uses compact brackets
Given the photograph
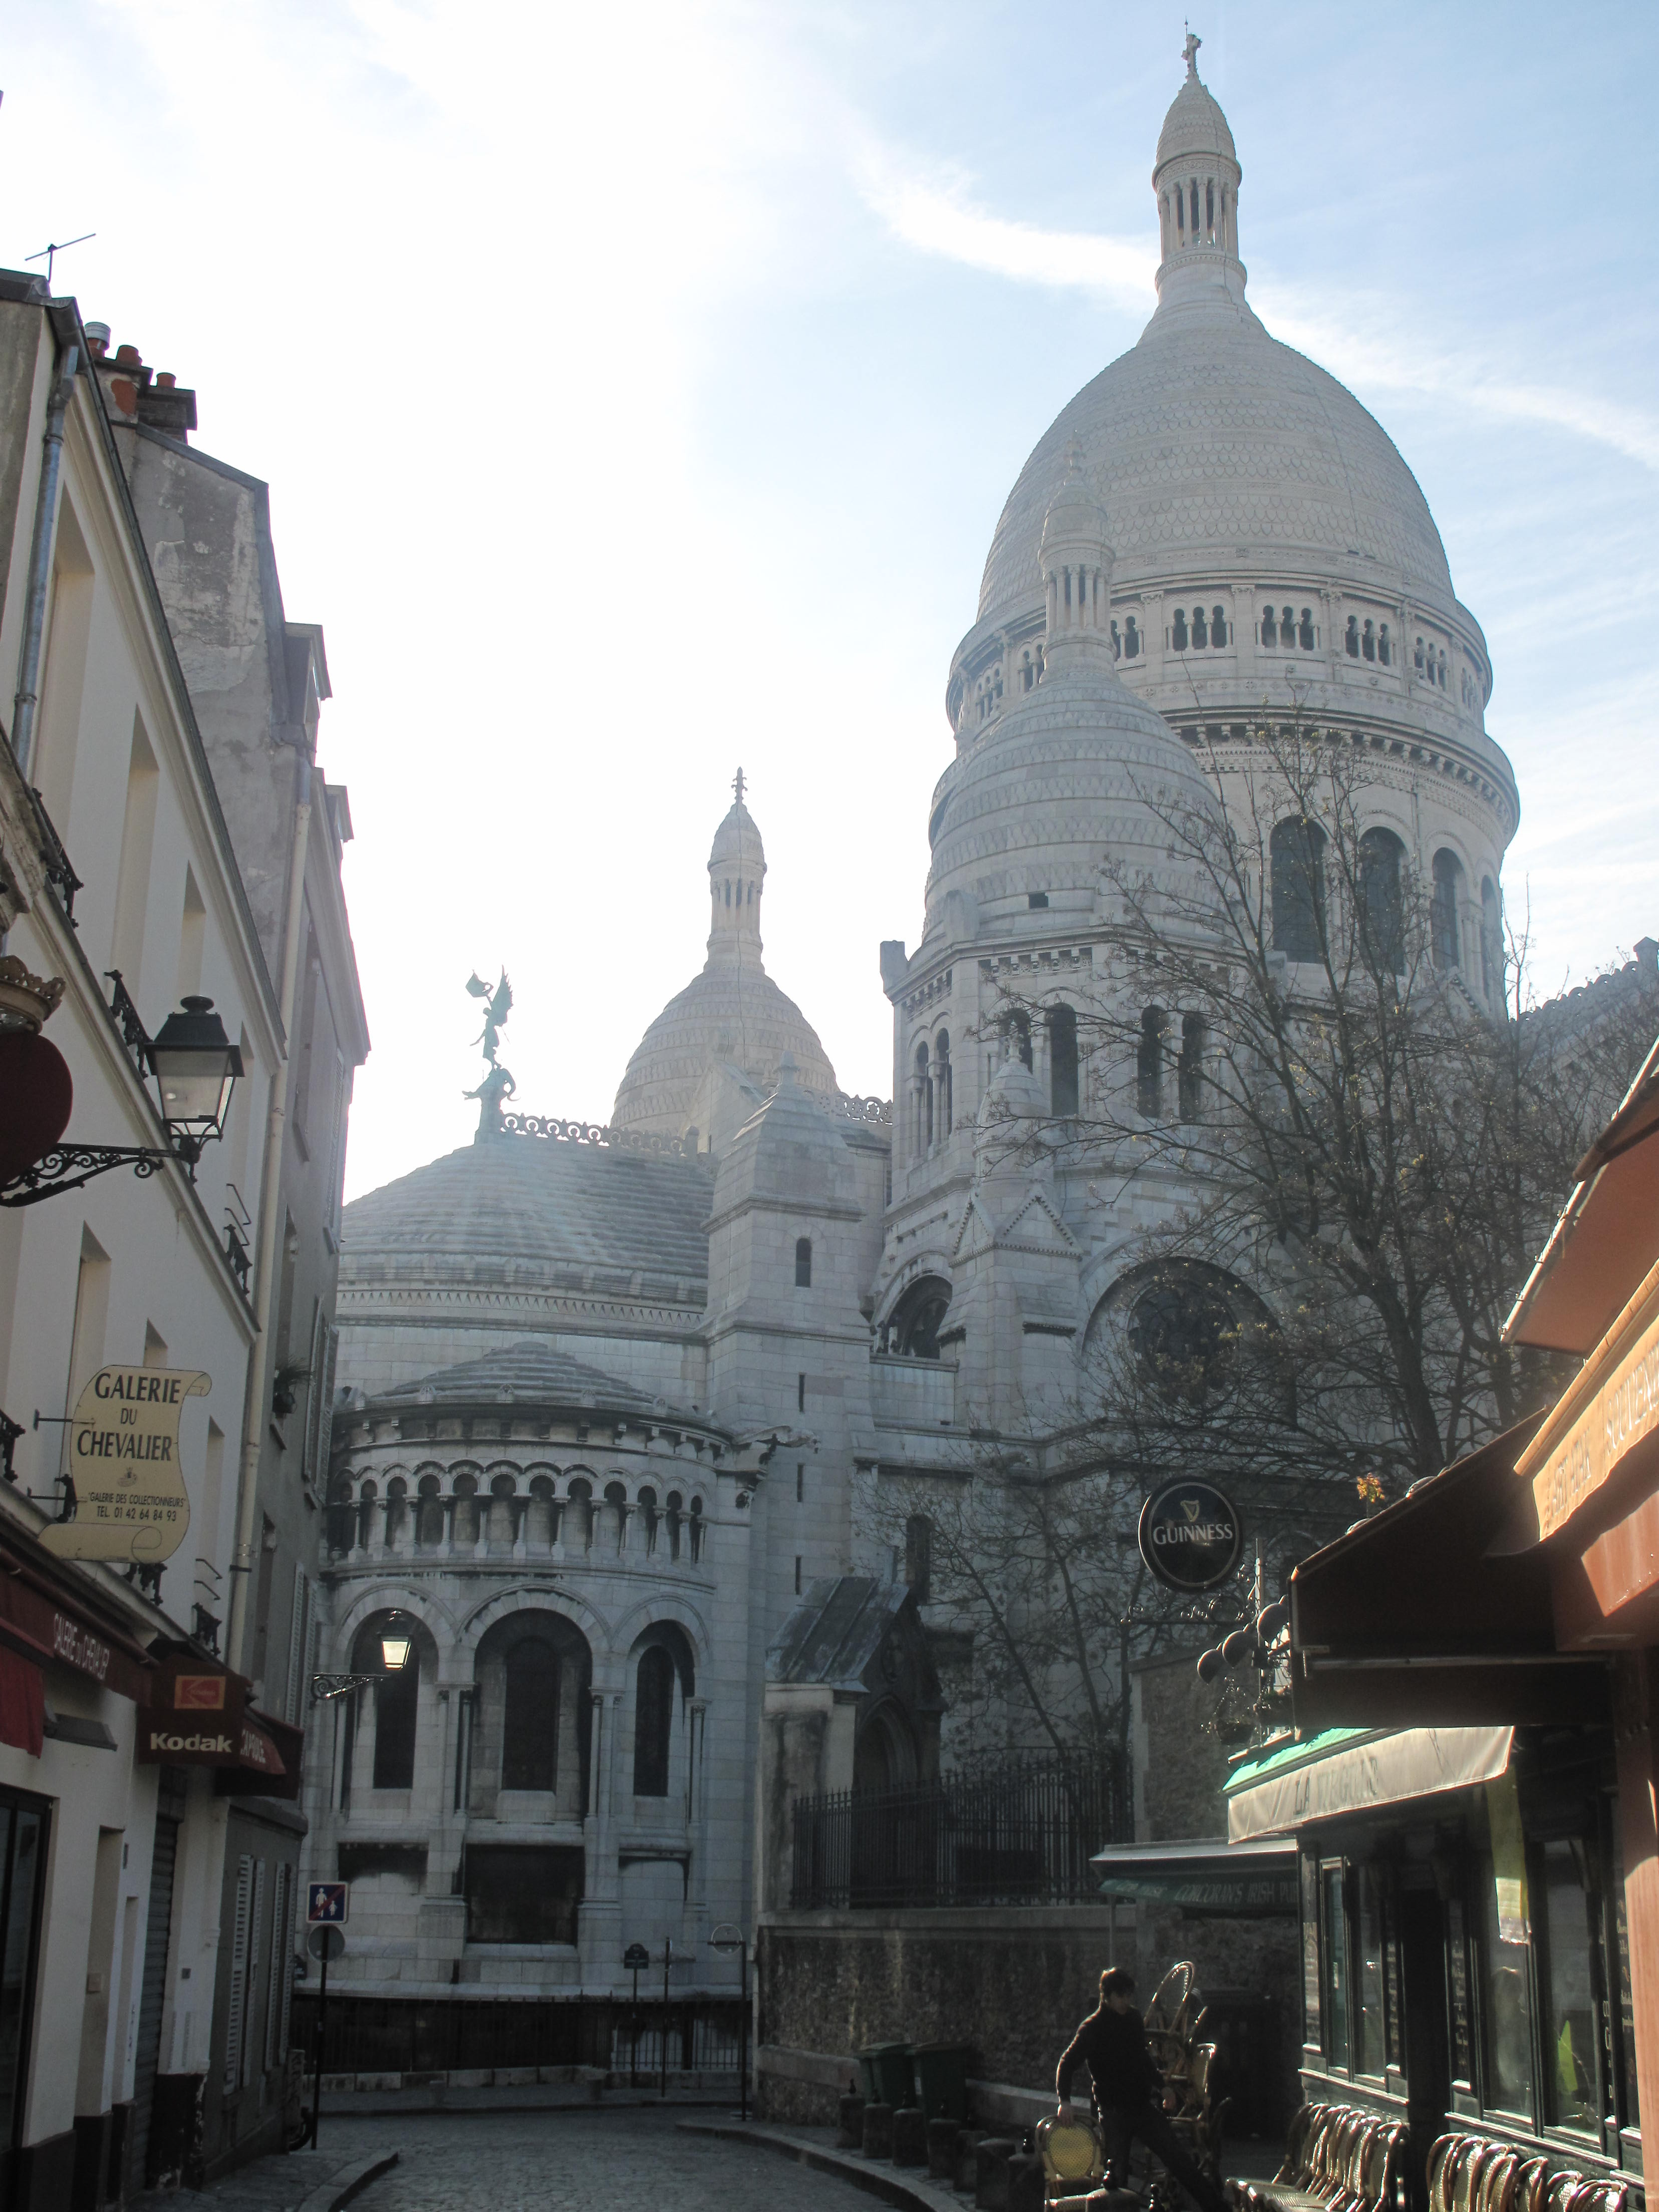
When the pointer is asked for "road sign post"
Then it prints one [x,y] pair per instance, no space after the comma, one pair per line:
[727,1937]
[328,1903]
[324,1942]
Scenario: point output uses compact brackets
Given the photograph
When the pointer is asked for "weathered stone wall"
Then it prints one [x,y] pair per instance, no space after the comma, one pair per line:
[1013,1984]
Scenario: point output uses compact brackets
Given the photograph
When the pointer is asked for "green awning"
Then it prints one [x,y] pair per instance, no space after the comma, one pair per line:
[1207,1879]
[1354,1770]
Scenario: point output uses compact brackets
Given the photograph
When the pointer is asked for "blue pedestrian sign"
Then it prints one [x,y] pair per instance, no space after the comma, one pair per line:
[326,1903]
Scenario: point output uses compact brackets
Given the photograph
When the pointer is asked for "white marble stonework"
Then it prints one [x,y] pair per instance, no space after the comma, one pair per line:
[758,1299]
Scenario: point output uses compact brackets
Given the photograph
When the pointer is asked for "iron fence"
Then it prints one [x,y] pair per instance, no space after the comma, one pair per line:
[444,2035]
[1019,1832]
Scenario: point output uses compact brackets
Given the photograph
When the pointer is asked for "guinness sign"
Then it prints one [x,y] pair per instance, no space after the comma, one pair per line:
[1190,1536]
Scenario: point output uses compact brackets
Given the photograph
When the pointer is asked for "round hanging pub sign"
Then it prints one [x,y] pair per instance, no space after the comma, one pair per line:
[1190,1536]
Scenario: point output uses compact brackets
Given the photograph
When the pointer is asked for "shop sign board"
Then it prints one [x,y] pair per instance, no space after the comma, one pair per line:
[1190,1536]
[1613,1420]
[127,1499]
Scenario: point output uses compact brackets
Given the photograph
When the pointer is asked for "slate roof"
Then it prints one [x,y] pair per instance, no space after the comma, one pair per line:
[535,1199]
[529,1373]
[835,1631]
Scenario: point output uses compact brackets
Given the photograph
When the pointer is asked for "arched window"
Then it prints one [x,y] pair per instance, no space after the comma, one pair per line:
[913,1330]
[1287,626]
[1384,652]
[397,1706]
[803,1263]
[1178,630]
[530,1726]
[1149,1064]
[654,1721]
[1117,644]
[1062,1060]
[1417,656]
[1131,639]
[1025,672]
[1491,942]
[1351,640]
[1368,643]
[1200,631]
[1192,188]
[1382,916]
[1189,1068]
[1309,637]
[924,1103]
[919,1557]
[942,1108]
[1297,848]
[1184,1333]
[1218,628]
[1441,671]
[1446,929]
[1269,627]
[695,1529]
[1038,651]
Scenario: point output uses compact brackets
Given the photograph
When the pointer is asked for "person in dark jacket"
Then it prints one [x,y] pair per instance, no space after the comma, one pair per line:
[1128,2090]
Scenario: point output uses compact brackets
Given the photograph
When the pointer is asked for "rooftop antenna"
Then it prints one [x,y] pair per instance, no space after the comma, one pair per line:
[62,245]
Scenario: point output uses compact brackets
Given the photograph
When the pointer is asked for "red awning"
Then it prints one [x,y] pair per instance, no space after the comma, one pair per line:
[1412,1620]
[52,1613]
[22,1703]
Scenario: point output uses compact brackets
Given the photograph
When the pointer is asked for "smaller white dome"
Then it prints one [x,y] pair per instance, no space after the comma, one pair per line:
[1013,1094]
[737,841]
[1194,124]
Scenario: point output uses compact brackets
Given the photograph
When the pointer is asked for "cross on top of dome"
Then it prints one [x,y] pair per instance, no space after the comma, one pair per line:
[1194,42]
[738,786]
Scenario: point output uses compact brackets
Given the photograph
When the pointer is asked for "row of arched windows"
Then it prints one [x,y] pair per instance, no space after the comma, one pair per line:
[1210,631]
[1128,646]
[663,1528]
[1368,640]
[1195,214]
[1031,669]
[1429,662]
[546,1675]
[745,894]
[988,697]
[1284,632]
[1297,850]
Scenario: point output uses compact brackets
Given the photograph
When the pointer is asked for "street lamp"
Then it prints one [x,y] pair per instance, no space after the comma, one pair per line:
[195,1067]
[395,1644]
[194,1063]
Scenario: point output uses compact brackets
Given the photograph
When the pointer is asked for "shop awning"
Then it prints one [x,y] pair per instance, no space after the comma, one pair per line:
[1601,1248]
[198,1714]
[22,1703]
[1208,1879]
[1411,1617]
[1288,1785]
[53,1614]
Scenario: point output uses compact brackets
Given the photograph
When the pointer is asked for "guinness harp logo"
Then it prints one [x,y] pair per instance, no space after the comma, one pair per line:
[1190,1536]
[126,1499]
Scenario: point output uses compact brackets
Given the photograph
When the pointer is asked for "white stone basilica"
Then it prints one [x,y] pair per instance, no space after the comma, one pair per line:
[607,1401]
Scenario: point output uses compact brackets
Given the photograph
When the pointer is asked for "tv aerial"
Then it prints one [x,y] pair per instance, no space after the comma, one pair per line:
[61,245]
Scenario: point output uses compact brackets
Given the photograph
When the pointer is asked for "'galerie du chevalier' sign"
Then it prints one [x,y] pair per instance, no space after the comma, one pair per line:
[129,1500]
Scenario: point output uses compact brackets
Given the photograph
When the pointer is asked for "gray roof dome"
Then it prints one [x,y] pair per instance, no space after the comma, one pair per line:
[733,1015]
[1195,124]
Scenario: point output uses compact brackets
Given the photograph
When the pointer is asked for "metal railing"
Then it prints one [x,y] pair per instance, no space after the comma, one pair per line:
[439,2035]
[1018,1833]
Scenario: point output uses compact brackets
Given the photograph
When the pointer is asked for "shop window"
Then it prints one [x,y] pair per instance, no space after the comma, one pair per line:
[1505,1984]
[1370,2056]
[1335,2006]
[1571,2014]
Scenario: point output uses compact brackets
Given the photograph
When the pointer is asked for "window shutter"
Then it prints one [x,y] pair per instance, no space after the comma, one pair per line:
[299,1650]
[237,2006]
[280,1980]
[256,1923]
[325,1352]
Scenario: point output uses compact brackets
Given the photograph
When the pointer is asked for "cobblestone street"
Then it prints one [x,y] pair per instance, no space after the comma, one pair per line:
[579,2162]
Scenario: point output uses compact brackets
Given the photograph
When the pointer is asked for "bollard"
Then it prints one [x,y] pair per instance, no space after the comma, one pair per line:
[991,2174]
[1027,2190]
[878,2131]
[942,2149]
[909,2136]
[968,2142]
[850,2136]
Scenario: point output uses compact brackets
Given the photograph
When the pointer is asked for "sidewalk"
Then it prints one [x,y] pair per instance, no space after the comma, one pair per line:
[295,2181]
[514,2097]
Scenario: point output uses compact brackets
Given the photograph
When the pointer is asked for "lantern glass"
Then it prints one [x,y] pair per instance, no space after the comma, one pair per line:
[196,1068]
[394,1650]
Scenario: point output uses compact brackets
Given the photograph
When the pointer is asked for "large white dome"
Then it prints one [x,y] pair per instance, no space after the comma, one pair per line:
[1217,449]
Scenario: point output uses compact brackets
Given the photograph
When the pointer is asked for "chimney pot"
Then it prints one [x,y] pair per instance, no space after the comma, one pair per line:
[128,356]
[97,339]
[165,380]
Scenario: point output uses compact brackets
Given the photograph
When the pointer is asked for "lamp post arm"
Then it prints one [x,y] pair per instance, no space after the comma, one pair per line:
[66,1167]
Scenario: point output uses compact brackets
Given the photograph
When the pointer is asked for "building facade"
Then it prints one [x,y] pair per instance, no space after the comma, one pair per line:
[150,1861]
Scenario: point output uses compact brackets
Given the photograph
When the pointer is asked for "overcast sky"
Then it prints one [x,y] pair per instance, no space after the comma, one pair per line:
[639,385]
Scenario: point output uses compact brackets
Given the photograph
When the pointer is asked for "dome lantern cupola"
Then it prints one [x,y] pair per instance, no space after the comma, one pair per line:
[1076,567]
[736,876]
[1196,177]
